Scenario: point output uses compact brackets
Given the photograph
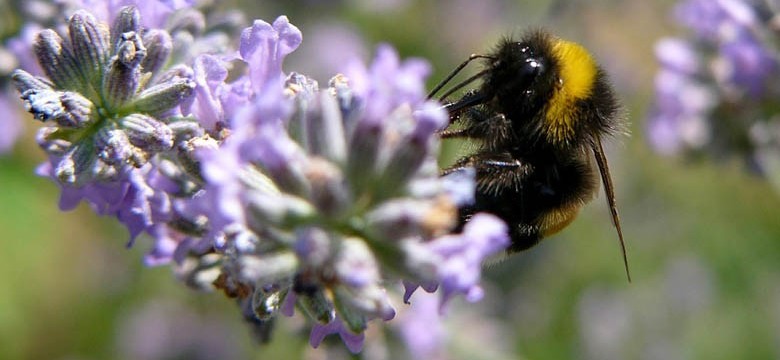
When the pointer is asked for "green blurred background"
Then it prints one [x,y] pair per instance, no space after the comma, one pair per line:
[703,238]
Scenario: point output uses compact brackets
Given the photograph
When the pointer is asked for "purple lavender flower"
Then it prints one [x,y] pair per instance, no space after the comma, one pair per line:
[322,194]
[682,102]
[268,188]
[108,124]
[732,26]
[746,63]
[716,87]
[458,258]
[353,341]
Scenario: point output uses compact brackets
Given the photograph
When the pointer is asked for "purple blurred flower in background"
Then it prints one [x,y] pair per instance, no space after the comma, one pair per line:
[333,45]
[164,329]
[716,88]
[422,329]
[682,102]
[10,124]
[155,13]
[610,320]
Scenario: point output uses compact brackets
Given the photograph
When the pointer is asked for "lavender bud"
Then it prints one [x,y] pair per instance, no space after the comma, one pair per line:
[128,20]
[338,87]
[187,20]
[281,210]
[104,172]
[163,96]
[124,74]
[315,304]
[176,72]
[158,48]
[363,155]
[114,146]
[313,246]
[325,130]
[285,162]
[147,132]
[199,272]
[410,153]
[72,168]
[267,268]
[371,302]
[130,49]
[354,320]
[328,191]
[187,150]
[24,81]
[67,109]
[57,61]
[355,266]
[395,220]
[303,90]
[90,41]
[404,162]
[47,138]
[185,129]
[255,180]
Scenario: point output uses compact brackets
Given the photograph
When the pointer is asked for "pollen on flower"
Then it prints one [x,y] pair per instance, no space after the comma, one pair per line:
[441,217]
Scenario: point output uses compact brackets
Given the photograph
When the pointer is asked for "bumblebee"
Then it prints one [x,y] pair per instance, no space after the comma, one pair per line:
[537,120]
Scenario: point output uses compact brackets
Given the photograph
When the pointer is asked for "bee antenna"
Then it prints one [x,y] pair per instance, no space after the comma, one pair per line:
[463,83]
[455,72]
[609,190]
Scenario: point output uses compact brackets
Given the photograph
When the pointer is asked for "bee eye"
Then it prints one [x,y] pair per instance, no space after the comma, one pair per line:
[531,68]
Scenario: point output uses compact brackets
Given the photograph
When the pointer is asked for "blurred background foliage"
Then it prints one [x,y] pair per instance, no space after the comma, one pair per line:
[703,237]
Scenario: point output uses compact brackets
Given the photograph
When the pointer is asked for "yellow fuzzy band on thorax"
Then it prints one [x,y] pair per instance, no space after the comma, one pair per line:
[576,77]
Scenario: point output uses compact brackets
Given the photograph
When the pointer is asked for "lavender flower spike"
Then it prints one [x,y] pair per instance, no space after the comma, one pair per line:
[325,194]
[716,90]
[111,115]
[70,102]
[280,194]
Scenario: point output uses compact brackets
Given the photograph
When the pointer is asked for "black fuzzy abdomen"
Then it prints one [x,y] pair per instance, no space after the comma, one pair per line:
[548,185]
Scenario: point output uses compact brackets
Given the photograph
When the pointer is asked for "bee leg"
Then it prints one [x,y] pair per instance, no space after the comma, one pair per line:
[493,167]
[494,131]
[501,181]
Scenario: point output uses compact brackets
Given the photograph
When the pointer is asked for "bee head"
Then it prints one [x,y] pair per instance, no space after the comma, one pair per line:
[520,76]
[550,87]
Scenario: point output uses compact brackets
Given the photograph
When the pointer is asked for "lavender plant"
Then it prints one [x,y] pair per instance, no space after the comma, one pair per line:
[715,92]
[280,194]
